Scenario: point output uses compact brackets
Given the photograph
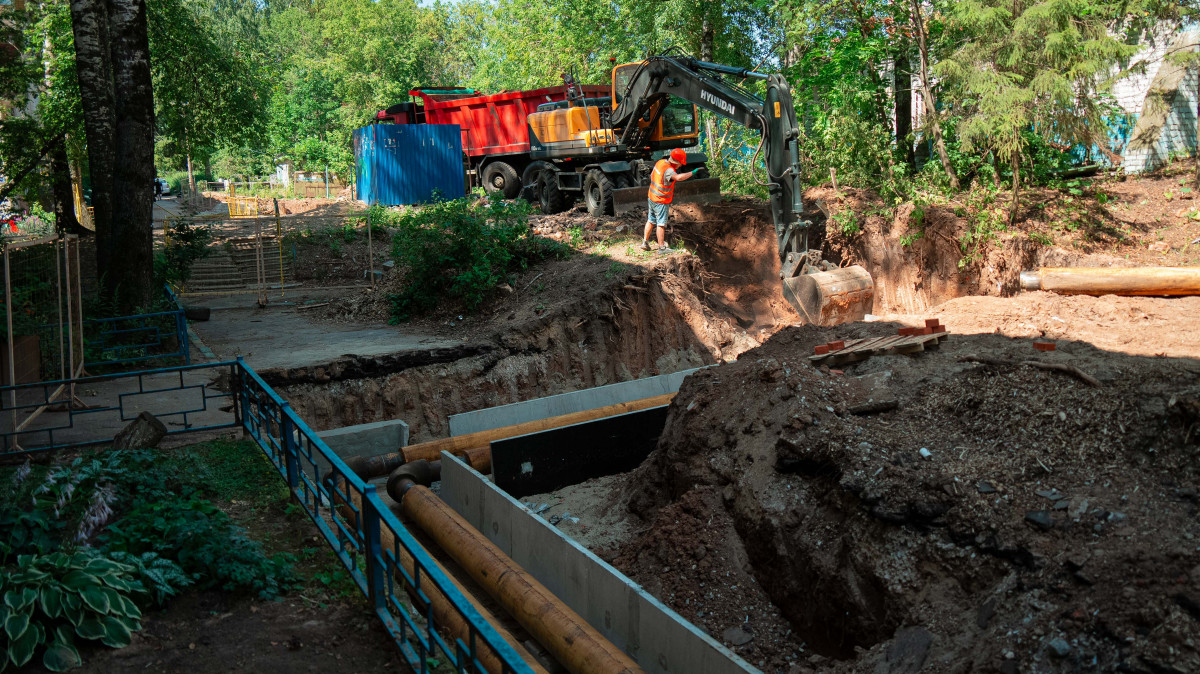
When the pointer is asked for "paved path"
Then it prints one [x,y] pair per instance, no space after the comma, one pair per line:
[282,336]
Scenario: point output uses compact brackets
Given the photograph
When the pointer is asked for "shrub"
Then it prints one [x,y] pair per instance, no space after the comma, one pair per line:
[463,250]
[204,542]
[189,243]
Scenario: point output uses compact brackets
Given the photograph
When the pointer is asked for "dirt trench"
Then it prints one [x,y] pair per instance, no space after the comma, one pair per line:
[989,517]
[647,321]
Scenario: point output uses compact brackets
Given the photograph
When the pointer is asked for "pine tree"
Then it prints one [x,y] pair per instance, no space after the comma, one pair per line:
[1031,65]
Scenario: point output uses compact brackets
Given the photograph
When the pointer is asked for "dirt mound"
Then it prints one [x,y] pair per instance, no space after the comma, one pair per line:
[920,257]
[1000,517]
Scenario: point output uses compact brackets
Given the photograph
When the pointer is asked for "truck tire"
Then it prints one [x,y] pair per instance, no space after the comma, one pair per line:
[529,181]
[501,178]
[551,197]
[598,193]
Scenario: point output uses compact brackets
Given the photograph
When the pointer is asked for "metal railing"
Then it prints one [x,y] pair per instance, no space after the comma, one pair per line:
[349,514]
[175,395]
[123,340]
[242,207]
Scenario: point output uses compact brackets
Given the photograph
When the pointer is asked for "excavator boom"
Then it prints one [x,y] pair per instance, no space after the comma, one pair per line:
[820,292]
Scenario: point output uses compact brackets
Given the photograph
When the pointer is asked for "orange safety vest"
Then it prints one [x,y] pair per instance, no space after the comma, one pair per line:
[660,193]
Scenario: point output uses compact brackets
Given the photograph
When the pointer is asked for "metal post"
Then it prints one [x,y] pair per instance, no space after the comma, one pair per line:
[235,378]
[8,309]
[370,251]
[290,458]
[376,566]
[326,181]
[79,310]
[279,240]
[59,261]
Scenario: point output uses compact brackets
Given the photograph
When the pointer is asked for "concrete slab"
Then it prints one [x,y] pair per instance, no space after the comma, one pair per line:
[566,403]
[379,437]
[656,637]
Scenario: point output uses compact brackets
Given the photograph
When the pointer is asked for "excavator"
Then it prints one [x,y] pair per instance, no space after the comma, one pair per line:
[606,150]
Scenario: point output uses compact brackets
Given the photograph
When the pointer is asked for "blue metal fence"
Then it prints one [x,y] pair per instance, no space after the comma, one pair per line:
[397,579]
[126,340]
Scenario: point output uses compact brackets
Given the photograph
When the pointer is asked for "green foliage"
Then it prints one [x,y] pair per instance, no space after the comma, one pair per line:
[189,243]
[204,542]
[846,222]
[50,600]
[463,250]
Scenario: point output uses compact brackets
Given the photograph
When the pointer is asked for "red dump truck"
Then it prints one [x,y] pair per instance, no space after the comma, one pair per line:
[495,133]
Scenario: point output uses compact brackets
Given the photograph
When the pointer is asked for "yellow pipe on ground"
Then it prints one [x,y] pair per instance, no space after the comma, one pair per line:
[376,466]
[1162,281]
[444,612]
[570,639]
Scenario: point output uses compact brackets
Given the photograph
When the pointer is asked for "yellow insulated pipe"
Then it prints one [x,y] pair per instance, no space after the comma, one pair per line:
[578,646]
[1114,280]
[444,612]
[470,445]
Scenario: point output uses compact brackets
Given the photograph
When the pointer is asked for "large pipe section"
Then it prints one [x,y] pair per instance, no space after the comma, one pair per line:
[475,446]
[575,644]
[444,612]
[1114,280]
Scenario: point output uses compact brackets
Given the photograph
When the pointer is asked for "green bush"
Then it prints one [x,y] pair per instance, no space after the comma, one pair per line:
[204,542]
[189,243]
[462,250]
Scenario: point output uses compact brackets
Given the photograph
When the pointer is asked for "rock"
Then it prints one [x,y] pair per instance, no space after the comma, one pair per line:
[985,488]
[1040,519]
[1051,494]
[144,432]
[1077,507]
[984,615]
[925,453]
[388,264]
[738,635]
[907,653]
[1059,647]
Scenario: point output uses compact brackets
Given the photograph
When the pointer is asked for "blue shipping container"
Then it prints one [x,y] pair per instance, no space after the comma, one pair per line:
[397,164]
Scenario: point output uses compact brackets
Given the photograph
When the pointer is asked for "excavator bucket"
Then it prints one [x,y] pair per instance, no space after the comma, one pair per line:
[831,297]
[695,191]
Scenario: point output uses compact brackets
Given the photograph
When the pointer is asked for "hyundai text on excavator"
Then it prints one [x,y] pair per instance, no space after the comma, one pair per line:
[605,149]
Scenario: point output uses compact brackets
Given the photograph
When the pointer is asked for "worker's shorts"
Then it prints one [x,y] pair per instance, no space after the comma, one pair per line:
[658,213]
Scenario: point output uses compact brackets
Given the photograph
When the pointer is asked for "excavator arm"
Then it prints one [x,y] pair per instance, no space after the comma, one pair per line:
[822,293]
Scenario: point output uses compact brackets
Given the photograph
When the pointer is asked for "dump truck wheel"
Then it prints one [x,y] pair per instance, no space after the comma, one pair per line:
[551,197]
[598,193]
[501,178]
[530,191]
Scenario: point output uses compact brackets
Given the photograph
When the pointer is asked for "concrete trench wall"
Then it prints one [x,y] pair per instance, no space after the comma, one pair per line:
[656,637]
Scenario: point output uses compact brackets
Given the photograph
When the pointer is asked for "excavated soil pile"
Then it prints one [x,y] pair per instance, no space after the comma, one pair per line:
[931,513]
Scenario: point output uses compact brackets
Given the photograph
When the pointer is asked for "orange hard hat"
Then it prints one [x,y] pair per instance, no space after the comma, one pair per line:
[679,156]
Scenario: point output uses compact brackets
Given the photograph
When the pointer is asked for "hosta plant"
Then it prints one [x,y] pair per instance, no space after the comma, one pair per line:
[50,601]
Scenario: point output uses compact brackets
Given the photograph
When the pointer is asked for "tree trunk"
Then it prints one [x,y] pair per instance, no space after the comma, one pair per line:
[930,104]
[132,281]
[1016,189]
[191,180]
[112,58]
[89,21]
[60,182]
[1196,186]
[902,85]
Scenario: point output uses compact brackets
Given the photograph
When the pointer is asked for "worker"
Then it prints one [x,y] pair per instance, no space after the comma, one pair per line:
[662,191]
